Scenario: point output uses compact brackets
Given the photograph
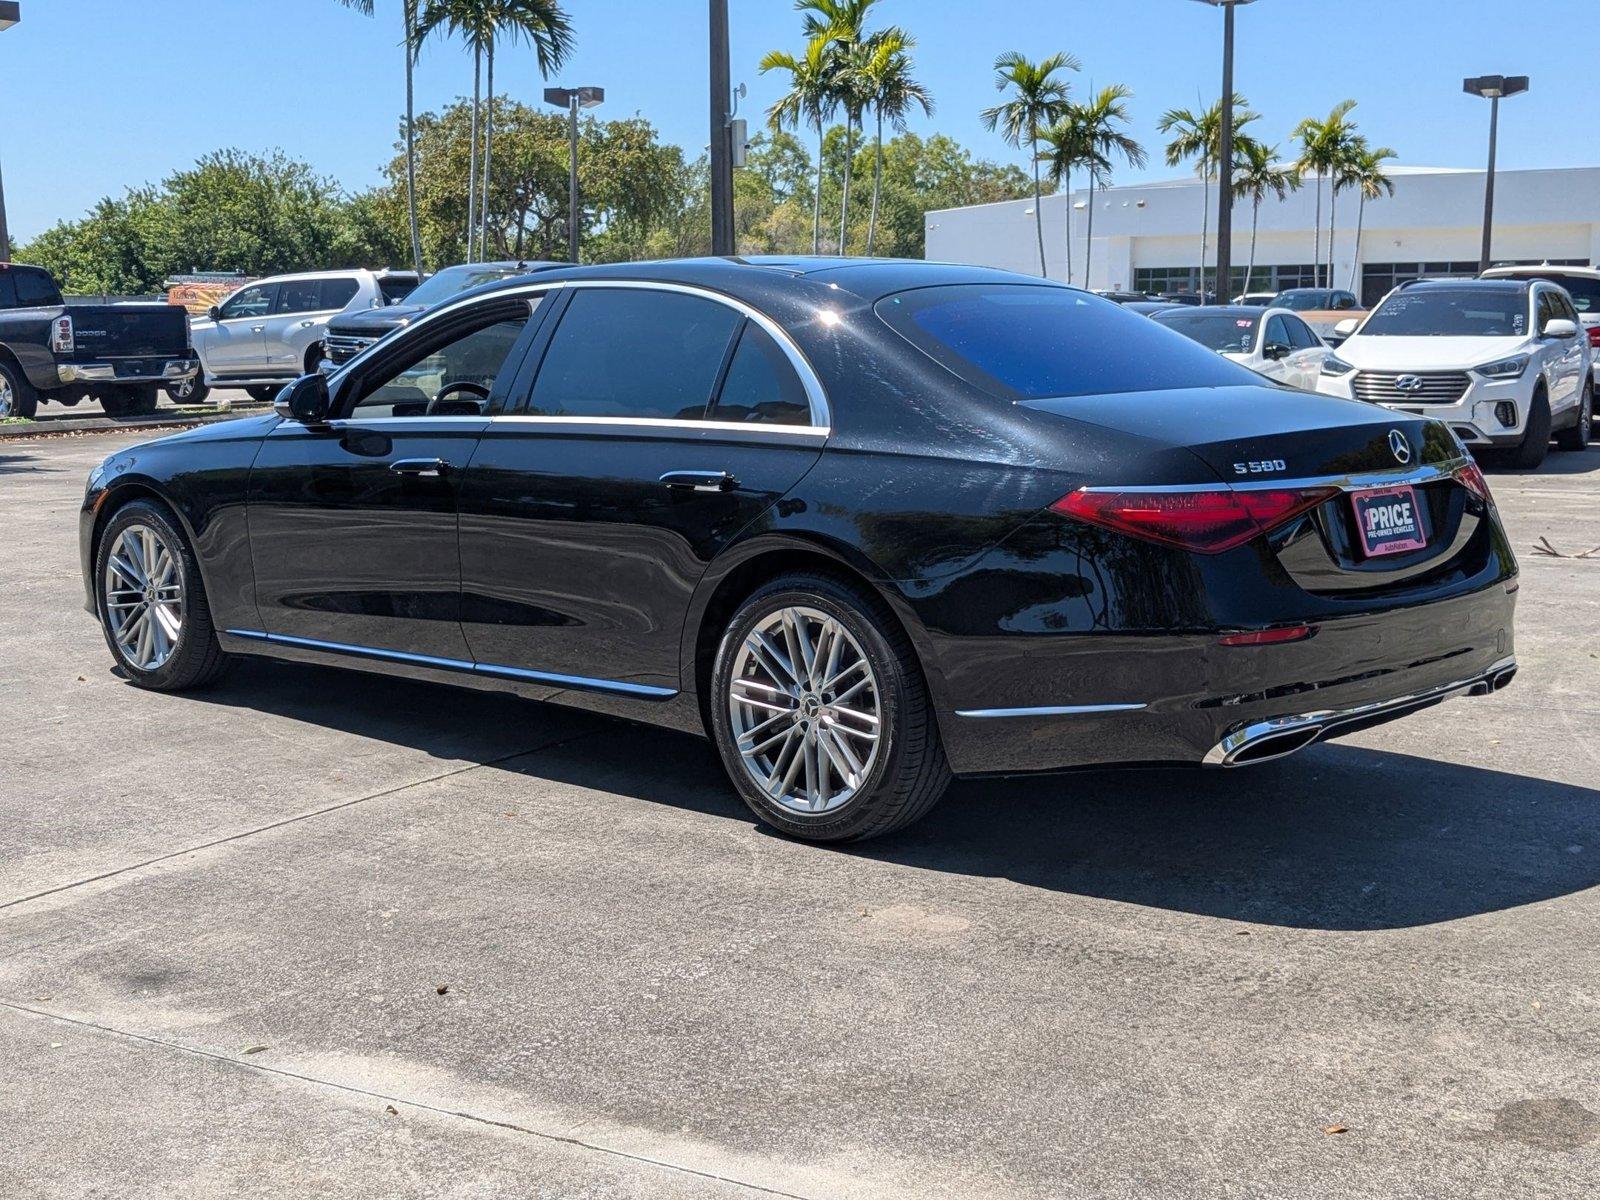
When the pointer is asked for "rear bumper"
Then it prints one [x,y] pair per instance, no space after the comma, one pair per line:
[1178,698]
[146,371]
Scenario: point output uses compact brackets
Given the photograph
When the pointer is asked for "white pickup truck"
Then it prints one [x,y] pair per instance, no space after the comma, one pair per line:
[270,331]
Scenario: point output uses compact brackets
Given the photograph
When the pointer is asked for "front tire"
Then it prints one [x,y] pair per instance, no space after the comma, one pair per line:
[1577,438]
[821,715]
[152,601]
[17,396]
[1536,436]
[264,395]
[192,390]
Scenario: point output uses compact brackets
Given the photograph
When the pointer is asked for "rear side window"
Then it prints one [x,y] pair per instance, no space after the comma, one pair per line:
[35,289]
[1023,342]
[8,290]
[622,352]
[761,387]
[336,293]
[299,295]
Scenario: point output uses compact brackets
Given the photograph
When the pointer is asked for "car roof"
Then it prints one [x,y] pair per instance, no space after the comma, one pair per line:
[1487,285]
[339,273]
[754,278]
[1544,271]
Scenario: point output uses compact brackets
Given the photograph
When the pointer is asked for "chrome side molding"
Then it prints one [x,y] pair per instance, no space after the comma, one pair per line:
[1054,710]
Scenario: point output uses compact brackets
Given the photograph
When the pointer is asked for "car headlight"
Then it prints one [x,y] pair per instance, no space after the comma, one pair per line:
[96,474]
[1506,368]
[1333,365]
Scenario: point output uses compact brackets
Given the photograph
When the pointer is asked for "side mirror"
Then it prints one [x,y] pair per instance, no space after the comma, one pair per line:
[1275,351]
[1346,327]
[214,312]
[1560,327]
[305,401]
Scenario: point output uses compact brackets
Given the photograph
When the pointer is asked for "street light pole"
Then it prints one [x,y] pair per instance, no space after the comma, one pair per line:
[572,99]
[10,14]
[1493,88]
[1224,162]
[721,143]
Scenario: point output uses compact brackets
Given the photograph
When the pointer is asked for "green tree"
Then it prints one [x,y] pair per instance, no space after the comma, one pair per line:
[1259,174]
[1038,100]
[893,93]
[1103,119]
[1066,145]
[1364,171]
[408,17]
[1198,135]
[809,100]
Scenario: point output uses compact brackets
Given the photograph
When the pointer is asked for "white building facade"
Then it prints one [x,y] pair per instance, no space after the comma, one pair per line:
[1147,237]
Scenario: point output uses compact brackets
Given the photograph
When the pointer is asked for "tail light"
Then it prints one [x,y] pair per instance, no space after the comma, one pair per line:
[61,335]
[1470,476]
[1208,521]
[1594,336]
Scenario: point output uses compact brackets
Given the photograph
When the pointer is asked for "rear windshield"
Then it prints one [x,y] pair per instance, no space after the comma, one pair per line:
[1231,331]
[1585,293]
[1024,342]
[1451,312]
[396,288]
[453,280]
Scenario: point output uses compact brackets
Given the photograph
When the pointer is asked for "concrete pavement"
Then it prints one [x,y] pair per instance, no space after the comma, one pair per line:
[226,918]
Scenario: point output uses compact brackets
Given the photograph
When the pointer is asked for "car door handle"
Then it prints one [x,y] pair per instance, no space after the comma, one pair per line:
[422,468]
[307,324]
[257,328]
[701,481]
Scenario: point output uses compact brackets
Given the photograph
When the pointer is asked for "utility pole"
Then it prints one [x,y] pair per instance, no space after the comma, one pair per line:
[10,14]
[721,143]
[1225,170]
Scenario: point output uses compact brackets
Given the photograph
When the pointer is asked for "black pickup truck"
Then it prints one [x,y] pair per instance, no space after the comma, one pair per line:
[118,353]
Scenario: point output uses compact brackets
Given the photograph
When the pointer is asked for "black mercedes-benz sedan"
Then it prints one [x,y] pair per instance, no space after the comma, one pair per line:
[865,524]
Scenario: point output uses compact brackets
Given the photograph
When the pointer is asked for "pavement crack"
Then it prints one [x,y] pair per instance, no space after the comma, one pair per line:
[554,744]
[391,1098]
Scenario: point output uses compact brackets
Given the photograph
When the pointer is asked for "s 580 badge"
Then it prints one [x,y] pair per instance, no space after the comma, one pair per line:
[1260,468]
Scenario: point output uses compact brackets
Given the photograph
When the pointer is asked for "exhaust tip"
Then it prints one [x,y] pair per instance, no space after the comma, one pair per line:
[1275,745]
[1501,678]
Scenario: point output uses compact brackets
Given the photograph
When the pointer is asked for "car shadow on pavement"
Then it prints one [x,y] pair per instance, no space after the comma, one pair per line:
[1338,837]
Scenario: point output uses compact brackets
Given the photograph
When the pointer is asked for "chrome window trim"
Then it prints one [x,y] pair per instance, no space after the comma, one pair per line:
[1055,710]
[816,396]
[664,423]
[1354,482]
[583,682]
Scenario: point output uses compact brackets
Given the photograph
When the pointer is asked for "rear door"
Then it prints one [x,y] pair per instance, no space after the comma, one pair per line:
[1275,341]
[659,423]
[300,317]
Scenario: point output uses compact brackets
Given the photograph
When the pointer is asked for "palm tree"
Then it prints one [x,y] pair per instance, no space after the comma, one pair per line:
[841,26]
[1321,147]
[1038,100]
[1102,119]
[809,100]
[1066,145]
[1198,135]
[894,93]
[408,16]
[1366,173]
[1260,173]
[481,23]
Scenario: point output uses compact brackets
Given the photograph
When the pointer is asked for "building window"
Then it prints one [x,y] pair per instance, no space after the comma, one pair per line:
[1157,280]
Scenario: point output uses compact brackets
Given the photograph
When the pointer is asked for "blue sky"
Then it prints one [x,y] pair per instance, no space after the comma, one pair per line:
[100,95]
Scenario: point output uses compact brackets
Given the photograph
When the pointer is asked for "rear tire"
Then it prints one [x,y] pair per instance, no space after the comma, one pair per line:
[1535,437]
[189,391]
[129,400]
[822,779]
[17,396]
[1577,438]
[145,568]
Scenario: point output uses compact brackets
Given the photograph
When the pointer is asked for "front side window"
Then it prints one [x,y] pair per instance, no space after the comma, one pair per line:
[1027,341]
[622,352]
[35,289]
[253,301]
[449,378]
[1215,329]
[1300,335]
[761,386]
[299,295]
[1465,311]
[1277,333]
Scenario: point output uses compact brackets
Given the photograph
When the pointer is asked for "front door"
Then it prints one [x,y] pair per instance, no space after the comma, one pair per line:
[236,345]
[353,523]
[660,424]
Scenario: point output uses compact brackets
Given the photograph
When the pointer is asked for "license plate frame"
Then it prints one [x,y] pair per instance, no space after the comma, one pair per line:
[1404,530]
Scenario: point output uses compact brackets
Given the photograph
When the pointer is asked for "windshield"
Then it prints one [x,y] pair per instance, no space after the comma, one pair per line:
[1451,312]
[1304,300]
[453,280]
[1214,329]
[1024,342]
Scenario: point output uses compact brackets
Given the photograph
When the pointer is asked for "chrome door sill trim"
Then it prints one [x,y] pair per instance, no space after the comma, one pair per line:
[1054,710]
[581,682]
[1262,741]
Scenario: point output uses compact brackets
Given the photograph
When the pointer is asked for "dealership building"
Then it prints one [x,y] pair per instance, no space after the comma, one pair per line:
[1147,236]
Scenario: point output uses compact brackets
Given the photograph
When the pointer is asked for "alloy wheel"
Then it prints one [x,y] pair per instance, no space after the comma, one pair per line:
[144,597]
[8,398]
[806,710]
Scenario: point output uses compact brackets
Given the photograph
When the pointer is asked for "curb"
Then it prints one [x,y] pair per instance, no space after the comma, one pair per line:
[54,426]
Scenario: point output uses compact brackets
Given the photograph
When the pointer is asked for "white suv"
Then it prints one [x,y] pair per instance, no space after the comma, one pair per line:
[1503,361]
[1583,286]
[270,331]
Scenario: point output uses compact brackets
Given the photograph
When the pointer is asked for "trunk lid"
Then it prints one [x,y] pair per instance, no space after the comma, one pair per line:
[120,331]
